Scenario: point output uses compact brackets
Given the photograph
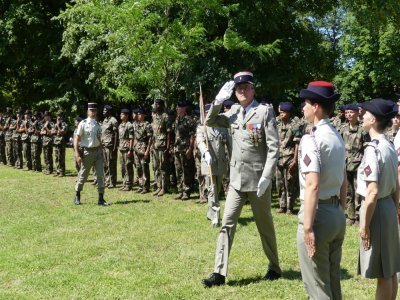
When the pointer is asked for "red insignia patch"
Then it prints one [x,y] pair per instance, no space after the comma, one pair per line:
[367,170]
[307,160]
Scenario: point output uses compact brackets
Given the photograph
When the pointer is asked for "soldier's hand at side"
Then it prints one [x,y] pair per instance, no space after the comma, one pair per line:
[225,92]
[208,158]
[292,166]
[365,237]
[309,240]
[78,159]
[262,186]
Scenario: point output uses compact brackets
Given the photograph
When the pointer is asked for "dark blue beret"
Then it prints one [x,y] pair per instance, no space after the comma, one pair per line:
[78,118]
[139,111]
[159,101]
[352,106]
[381,108]
[107,107]
[182,103]
[207,107]
[47,113]
[286,106]
[125,111]
[342,107]
[228,103]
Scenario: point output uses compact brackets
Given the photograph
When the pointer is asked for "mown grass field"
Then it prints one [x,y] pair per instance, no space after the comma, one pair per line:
[140,247]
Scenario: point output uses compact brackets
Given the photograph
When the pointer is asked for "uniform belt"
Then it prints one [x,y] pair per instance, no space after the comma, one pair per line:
[331,200]
[90,148]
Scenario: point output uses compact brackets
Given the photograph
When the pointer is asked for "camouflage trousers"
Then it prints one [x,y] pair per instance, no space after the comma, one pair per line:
[144,179]
[3,157]
[59,158]
[184,172]
[110,165]
[287,185]
[18,157]
[26,151]
[139,170]
[48,157]
[353,200]
[36,151]
[10,152]
[161,172]
[126,168]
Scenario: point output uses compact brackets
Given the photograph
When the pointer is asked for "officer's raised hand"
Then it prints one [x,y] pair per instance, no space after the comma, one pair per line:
[225,92]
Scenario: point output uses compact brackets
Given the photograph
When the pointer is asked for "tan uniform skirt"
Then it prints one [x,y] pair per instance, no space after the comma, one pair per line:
[382,260]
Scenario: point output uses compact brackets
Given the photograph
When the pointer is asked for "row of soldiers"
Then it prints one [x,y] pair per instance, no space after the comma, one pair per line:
[24,137]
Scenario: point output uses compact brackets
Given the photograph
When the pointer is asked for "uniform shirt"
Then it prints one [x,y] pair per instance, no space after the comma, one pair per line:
[355,139]
[59,139]
[89,131]
[379,165]
[126,133]
[289,136]
[143,133]
[109,129]
[184,128]
[161,126]
[322,151]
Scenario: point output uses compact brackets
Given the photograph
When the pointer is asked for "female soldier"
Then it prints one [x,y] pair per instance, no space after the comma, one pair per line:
[377,182]
[322,222]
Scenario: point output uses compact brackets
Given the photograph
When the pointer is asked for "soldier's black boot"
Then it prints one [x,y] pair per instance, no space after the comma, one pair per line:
[102,202]
[77,199]
[214,280]
[272,275]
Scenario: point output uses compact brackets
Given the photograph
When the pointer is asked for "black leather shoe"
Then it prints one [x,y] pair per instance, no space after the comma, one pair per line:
[102,202]
[77,199]
[272,275]
[214,280]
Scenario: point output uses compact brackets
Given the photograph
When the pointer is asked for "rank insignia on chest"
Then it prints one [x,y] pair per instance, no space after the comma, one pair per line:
[254,127]
[367,170]
[307,160]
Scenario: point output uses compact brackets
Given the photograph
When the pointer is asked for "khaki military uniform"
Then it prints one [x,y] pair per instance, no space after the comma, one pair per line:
[36,145]
[184,129]
[161,129]
[287,183]
[126,134]
[255,153]
[8,137]
[26,145]
[109,136]
[89,131]
[59,147]
[214,174]
[323,152]
[143,137]
[355,140]
[47,141]
[3,157]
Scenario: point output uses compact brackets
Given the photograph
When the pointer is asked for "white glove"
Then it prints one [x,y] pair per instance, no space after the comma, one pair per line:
[207,157]
[262,186]
[225,92]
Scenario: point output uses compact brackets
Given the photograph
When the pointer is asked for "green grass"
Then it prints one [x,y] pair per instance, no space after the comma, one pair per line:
[138,248]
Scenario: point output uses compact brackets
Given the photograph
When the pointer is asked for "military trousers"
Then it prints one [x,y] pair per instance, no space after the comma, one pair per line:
[36,152]
[184,172]
[126,168]
[48,157]
[261,207]
[201,179]
[92,157]
[287,185]
[353,200]
[213,188]
[144,166]
[162,171]
[3,156]
[26,151]
[10,152]
[18,157]
[59,157]
[321,273]
[139,170]
[110,165]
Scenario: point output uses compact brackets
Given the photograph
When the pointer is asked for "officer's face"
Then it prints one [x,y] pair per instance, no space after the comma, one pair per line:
[92,113]
[244,93]
[368,121]
[309,111]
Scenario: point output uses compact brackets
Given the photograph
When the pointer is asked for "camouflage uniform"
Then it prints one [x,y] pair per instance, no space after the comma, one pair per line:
[136,163]
[26,145]
[59,147]
[3,157]
[109,137]
[143,138]
[161,130]
[287,183]
[17,144]
[391,134]
[47,146]
[126,133]
[36,145]
[184,129]
[355,141]
[9,140]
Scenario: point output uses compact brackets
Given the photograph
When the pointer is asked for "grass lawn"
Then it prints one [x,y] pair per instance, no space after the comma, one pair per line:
[140,247]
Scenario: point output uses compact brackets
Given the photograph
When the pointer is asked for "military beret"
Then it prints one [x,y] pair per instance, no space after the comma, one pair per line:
[153,110]
[20,111]
[352,106]
[159,101]
[139,111]
[207,107]
[302,104]
[92,106]
[228,103]
[125,111]
[171,112]
[286,106]
[78,118]
[342,107]
[107,107]
[381,108]
[47,113]
[38,114]
[182,103]
[243,77]
[320,91]
[28,112]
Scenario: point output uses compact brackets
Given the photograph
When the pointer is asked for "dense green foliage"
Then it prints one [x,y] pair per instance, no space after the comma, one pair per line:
[61,53]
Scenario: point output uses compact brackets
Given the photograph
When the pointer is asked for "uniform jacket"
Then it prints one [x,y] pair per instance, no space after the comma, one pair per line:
[161,127]
[217,138]
[109,131]
[355,140]
[126,133]
[255,143]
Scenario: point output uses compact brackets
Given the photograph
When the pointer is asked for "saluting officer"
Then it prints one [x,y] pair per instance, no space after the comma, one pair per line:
[322,175]
[255,153]
[88,137]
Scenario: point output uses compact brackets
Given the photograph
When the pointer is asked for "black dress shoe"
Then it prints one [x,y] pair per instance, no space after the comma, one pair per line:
[77,199]
[272,275]
[214,280]
[102,202]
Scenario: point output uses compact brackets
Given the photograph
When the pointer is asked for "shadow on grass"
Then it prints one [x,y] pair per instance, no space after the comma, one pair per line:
[245,281]
[124,202]
[344,274]
[245,221]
